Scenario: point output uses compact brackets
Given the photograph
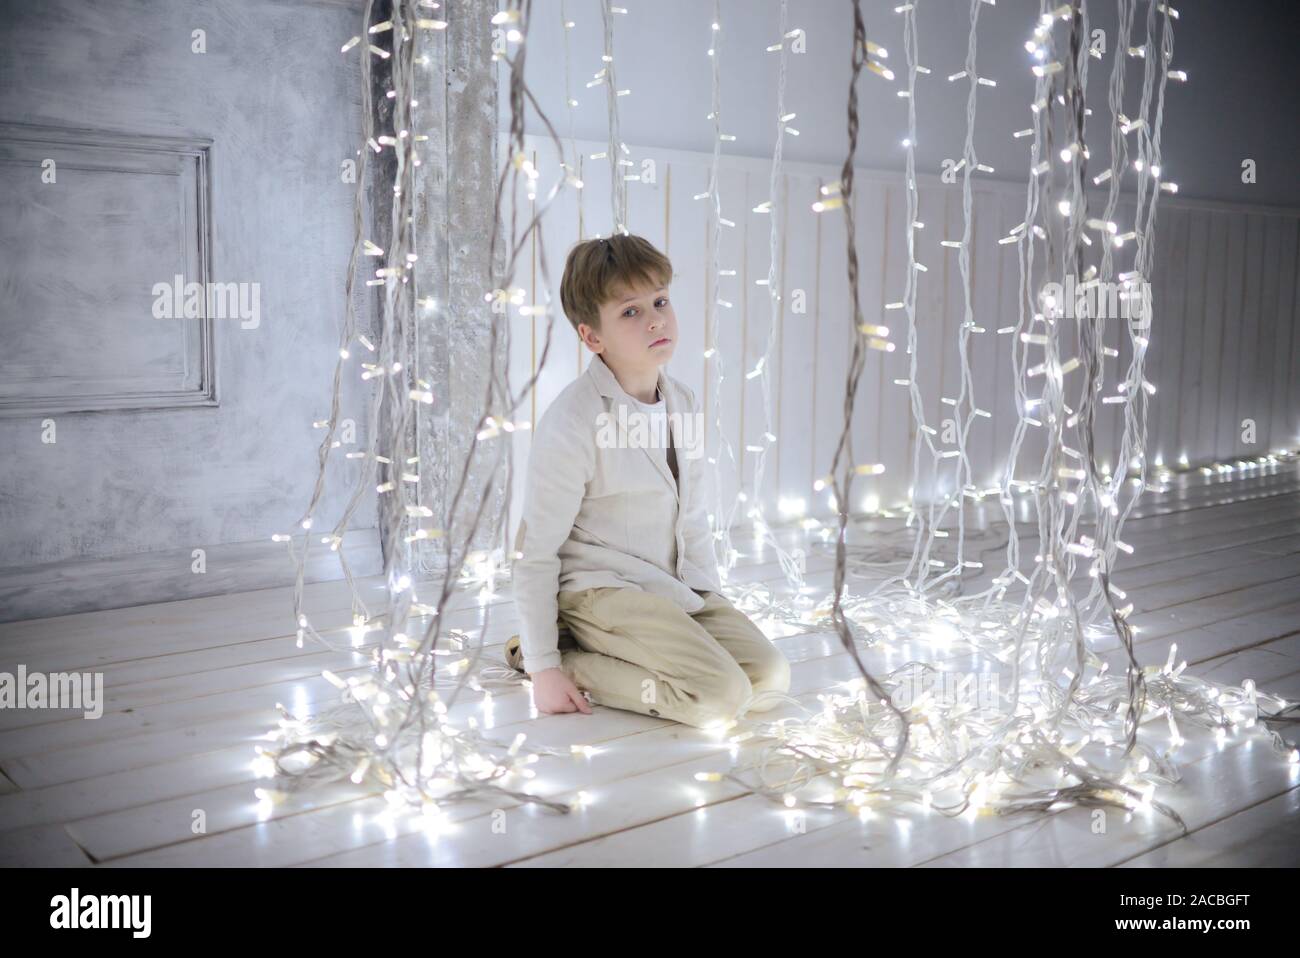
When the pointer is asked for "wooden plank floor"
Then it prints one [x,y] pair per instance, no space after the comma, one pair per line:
[190,688]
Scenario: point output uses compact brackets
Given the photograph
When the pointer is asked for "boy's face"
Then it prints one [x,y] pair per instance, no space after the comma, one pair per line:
[638,329]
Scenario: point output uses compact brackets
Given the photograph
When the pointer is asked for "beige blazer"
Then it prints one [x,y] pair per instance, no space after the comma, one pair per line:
[601,509]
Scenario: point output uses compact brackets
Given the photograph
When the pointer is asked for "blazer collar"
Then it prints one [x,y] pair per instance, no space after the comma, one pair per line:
[607,385]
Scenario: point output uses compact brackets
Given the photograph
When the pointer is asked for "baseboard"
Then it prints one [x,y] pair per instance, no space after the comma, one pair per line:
[117,582]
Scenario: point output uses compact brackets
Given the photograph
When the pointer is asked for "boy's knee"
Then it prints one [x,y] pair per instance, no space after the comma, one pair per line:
[723,699]
[773,673]
[735,693]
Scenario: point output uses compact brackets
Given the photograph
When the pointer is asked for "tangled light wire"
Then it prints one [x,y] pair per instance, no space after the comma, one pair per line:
[395,727]
[1045,746]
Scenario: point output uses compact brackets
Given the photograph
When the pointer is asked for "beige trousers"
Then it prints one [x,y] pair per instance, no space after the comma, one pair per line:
[631,649]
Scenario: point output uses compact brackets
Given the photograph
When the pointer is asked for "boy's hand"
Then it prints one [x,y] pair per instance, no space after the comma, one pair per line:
[554,691]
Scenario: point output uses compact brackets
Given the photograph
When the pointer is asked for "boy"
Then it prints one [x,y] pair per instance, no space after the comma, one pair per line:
[614,542]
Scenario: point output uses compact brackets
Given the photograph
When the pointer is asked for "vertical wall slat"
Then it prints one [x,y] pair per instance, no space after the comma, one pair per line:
[1223,347]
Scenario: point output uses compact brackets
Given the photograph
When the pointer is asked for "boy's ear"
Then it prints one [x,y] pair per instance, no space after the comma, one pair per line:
[586,338]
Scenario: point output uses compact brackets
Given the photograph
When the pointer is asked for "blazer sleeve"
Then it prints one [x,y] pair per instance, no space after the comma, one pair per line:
[561,463]
[696,531]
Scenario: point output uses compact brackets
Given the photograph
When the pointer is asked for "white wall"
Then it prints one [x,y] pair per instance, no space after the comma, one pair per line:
[1222,349]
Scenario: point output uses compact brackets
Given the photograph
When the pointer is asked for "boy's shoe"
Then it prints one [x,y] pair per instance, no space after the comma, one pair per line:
[515,654]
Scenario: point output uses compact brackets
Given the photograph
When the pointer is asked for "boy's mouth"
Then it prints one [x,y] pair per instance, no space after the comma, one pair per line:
[660,342]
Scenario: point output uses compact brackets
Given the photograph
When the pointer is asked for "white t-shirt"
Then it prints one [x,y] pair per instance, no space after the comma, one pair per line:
[659,427]
[657,413]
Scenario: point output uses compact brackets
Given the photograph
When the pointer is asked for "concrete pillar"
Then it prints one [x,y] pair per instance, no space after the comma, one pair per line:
[455,195]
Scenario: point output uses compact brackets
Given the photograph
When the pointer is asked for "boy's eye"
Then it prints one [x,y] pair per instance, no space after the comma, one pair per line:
[662,300]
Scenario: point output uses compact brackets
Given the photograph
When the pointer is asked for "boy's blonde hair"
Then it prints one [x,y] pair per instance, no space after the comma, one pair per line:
[596,269]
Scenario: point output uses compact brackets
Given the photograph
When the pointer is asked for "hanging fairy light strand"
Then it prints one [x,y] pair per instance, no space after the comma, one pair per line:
[573,160]
[759,598]
[394,726]
[965,411]
[398,303]
[842,470]
[963,406]
[915,576]
[1135,286]
[1066,738]
[723,516]
[1101,489]
[349,338]
[570,103]
[617,148]
[923,432]
[1023,237]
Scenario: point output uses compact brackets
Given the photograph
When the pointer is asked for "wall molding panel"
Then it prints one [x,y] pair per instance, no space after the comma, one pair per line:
[82,256]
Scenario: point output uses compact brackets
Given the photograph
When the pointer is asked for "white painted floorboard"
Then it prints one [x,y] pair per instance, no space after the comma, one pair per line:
[191,686]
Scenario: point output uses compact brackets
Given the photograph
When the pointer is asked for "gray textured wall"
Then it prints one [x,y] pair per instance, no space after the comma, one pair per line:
[281,107]
[456,186]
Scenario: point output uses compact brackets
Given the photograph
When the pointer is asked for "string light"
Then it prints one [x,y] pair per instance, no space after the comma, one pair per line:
[392,728]
[617,149]
[862,748]
[766,538]
[723,515]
